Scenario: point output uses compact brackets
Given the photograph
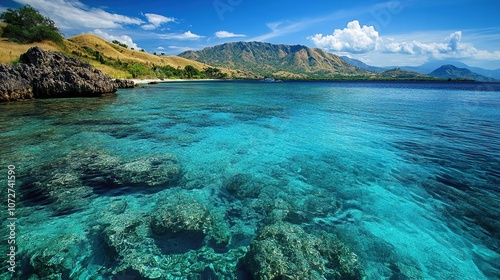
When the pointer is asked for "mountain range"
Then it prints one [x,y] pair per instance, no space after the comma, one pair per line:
[302,62]
[433,65]
[474,73]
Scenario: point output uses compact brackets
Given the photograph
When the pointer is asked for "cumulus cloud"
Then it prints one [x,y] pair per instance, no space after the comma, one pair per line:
[71,15]
[365,39]
[2,9]
[354,39]
[155,21]
[451,46]
[124,39]
[188,35]
[226,34]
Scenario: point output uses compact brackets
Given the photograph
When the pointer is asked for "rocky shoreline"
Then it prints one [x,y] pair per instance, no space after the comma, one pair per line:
[46,74]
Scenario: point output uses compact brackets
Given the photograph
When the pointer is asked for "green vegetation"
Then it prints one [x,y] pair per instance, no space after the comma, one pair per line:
[26,25]
[138,70]
[142,70]
[189,72]
[120,44]
[398,74]
[214,73]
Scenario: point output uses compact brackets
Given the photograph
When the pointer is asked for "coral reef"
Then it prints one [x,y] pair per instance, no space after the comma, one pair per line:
[84,173]
[285,251]
[151,170]
[242,186]
[183,217]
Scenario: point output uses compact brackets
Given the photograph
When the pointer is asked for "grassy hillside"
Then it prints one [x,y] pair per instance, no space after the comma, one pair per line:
[114,52]
[10,51]
[115,60]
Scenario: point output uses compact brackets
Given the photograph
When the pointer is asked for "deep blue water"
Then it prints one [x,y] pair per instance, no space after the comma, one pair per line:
[407,175]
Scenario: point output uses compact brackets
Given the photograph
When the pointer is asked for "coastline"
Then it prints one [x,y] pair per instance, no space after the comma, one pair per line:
[147,81]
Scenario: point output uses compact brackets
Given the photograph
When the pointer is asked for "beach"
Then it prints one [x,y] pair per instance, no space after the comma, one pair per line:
[147,81]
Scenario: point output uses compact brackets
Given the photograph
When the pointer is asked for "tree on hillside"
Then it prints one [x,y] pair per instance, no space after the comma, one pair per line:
[214,73]
[27,25]
[191,72]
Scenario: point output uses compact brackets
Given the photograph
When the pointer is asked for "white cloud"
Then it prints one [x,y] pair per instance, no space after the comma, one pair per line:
[354,39]
[359,40]
[148,26]
[451,46]
[2,9]
[179,48]
[175,50]
[282,28]
[70,15]
[226,34]
[188,35]
[124,39]
[155,21]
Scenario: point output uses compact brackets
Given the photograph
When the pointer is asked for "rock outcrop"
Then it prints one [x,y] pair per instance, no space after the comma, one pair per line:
[45,74]
[125,83]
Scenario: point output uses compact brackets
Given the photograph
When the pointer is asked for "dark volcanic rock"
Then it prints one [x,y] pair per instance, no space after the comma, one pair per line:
[124,83]
[15,82]
[45,74]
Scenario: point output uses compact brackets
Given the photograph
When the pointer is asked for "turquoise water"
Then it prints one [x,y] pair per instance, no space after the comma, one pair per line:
[175,180]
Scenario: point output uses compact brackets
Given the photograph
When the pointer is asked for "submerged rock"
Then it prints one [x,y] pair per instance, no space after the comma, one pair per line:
[45,74]
[154,170]
[58,258]
[185,216]
[105,172]
[169,240]
[189,218]
[60,189]
[69,183]
[127,242]
[243,186]
[286,251]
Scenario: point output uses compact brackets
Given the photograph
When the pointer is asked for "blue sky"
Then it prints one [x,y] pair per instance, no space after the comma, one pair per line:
[380,33]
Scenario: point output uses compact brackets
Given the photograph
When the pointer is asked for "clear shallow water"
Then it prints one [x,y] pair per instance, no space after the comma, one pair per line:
[406,175]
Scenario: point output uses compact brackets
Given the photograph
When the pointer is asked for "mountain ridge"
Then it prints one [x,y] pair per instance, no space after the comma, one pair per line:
[279,60]
[362,65]
[429,67]
[452,72]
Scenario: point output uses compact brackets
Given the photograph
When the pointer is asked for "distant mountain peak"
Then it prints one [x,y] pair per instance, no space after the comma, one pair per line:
[449,71]
[362,65]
